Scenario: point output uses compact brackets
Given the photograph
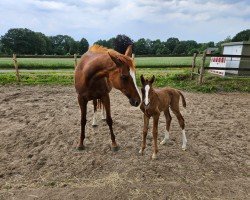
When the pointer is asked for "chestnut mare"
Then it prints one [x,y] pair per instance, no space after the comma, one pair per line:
[154,101]
[98,71]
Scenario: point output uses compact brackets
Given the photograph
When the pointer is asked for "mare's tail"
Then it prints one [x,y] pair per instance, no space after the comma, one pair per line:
[183,99]
[99,104]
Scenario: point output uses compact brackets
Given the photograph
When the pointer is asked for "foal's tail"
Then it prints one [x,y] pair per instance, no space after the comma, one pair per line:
[183,99]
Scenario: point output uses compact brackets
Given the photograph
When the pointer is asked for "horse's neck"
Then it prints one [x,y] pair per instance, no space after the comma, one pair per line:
[154,96]
[102,70]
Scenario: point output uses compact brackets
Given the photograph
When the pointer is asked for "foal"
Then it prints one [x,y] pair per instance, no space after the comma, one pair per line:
[154,101]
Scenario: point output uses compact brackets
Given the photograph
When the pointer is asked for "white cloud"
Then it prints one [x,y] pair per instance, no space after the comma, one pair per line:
[101,19]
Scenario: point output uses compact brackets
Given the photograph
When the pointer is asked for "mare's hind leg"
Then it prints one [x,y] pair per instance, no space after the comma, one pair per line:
[181,121]
[106,103]
[103,112]
[168,122]
[83,106]
[94,123]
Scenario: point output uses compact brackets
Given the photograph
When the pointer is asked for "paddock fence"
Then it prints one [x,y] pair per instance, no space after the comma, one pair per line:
[200,70]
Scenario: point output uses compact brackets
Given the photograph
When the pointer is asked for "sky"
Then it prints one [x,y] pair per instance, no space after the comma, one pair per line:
[198,20]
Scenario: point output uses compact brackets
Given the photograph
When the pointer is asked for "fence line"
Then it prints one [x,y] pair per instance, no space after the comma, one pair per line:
[201,70]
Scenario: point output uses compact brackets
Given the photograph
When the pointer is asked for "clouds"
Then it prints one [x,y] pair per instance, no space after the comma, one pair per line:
[101,19]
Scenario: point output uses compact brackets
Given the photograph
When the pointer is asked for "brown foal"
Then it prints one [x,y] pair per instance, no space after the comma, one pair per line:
[155,101]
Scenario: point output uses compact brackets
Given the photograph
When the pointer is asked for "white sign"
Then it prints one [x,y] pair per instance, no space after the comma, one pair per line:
[217,62]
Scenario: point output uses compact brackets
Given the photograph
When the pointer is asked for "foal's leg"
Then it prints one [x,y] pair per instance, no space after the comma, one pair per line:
[106,103]
[83,106]
[168,122]
[155,133]
[181,121]
[94,123]
[144,134]
[103,112]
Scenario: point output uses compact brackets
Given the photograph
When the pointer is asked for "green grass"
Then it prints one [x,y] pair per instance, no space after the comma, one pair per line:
[38,63]
[177,78]
[68,63]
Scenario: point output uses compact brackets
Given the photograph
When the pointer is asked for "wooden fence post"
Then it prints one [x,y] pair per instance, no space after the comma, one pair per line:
[202,69]
[193,65]
[75,58]
[16,68]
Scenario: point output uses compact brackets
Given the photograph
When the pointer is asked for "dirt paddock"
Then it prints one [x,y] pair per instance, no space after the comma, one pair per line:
[40,128]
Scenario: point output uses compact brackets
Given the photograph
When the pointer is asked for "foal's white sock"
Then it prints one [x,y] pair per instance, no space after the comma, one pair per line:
[166,138]
[94,120]
[103,113]
[184,140]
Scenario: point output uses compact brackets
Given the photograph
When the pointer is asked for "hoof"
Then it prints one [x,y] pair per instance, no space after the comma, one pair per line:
[183,149]
[114,148]
[154,156]
[141,152]
[94,125]
[80,148]
[163,142]
[103,119]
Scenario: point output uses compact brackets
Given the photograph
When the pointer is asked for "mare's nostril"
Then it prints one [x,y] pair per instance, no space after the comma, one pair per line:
[136,103]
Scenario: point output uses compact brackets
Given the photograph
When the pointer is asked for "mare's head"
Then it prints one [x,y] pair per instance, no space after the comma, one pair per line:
[147,89]
[123,78]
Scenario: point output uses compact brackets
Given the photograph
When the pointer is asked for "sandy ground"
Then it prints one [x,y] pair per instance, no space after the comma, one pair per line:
[40,128]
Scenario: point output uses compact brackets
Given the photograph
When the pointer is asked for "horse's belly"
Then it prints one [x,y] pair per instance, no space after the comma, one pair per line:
[96,90]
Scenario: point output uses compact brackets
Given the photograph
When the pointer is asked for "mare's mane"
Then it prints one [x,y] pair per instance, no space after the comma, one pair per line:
[125,59]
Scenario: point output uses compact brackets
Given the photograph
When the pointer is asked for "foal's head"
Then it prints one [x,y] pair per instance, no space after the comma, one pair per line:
[147,89]
[124,78]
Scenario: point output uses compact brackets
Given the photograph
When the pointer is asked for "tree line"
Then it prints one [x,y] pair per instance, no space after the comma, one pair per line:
[25,41]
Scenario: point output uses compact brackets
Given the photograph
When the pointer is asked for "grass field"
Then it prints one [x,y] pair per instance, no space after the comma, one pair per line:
[68,63]
[177,78]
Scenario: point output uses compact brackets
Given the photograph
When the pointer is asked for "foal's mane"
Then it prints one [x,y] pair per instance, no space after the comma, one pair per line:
[125,59]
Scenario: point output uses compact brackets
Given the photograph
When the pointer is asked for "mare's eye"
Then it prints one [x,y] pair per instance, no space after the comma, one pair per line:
[124,77]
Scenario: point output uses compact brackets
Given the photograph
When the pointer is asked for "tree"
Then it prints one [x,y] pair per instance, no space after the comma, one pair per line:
[48,43]
[242,36]
[22,41]
[172,43]
[142,47]
[180,49]
[63,44]
[121,42]
[83,46]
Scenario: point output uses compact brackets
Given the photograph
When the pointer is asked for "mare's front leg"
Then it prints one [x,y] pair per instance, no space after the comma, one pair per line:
[155,134]
[106,103]
[94,123]
[83,106]
[144,134]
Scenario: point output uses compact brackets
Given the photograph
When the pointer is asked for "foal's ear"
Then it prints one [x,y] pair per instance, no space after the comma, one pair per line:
[115,59]
[142,80]
[152,79]
[129,51]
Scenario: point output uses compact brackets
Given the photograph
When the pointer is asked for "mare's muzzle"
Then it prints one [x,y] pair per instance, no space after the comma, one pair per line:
[134,102]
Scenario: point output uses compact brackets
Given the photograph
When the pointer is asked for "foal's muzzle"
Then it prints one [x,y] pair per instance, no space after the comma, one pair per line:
[134,102]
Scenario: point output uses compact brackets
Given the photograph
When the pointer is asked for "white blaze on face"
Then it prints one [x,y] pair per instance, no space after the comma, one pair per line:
[146,101]
[132,74]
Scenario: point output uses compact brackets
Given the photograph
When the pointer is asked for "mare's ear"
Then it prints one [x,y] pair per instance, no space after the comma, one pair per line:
[152,79]
[115,59]
[129,51]
[142,80]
